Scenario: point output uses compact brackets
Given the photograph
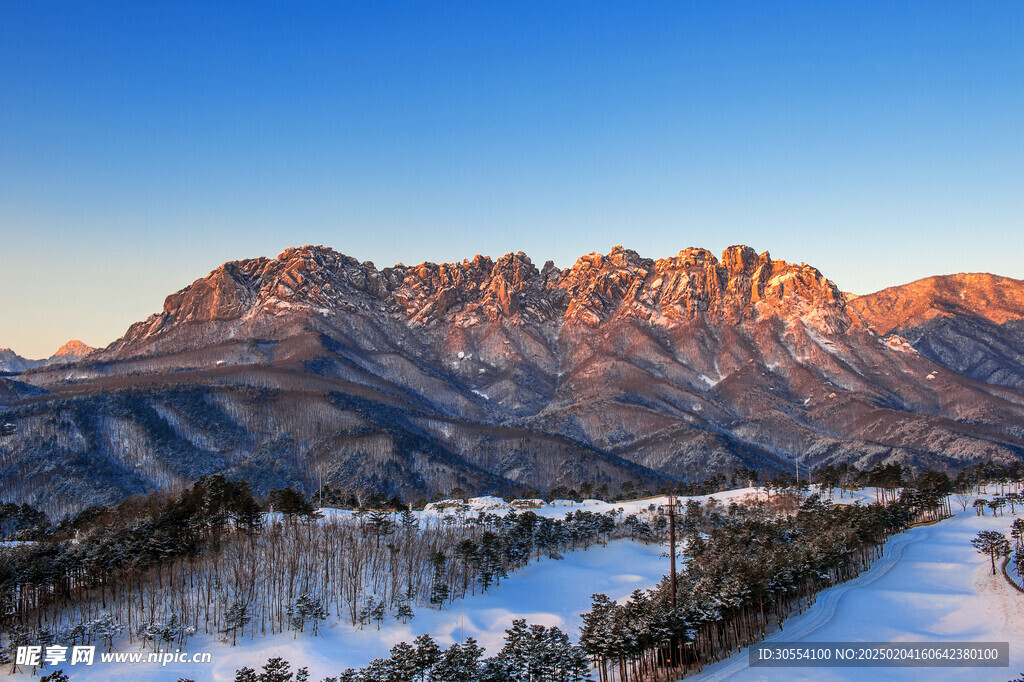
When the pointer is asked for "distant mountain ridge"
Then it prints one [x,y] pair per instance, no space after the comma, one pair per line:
[970,323]
[12,362]
[70,352]
[495,375]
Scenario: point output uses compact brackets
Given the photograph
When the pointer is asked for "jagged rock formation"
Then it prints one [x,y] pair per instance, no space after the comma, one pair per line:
[497,375]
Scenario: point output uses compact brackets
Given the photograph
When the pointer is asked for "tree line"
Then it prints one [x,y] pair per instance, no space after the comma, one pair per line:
[747,569]
[530,653]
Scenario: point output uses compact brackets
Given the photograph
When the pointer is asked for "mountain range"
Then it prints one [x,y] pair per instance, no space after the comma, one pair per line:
[313,369]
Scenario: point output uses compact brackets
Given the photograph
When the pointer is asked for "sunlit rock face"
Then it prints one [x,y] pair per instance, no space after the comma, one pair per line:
[497,375]
[970,323]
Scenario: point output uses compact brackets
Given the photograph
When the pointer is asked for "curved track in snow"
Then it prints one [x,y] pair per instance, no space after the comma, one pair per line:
[821,612]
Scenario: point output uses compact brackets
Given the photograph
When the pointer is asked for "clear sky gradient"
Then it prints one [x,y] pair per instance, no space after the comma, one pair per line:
[144,143]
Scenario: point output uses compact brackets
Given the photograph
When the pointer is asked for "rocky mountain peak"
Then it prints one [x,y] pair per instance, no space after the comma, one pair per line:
[316,280]
[740,260]
[596,286]
[73,349]
[474,290]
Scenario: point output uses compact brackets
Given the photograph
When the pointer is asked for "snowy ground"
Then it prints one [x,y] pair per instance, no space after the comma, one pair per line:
[931,586]
[547,592]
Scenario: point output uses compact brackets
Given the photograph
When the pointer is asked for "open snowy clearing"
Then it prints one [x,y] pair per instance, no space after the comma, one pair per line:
[930,586]
[548,592]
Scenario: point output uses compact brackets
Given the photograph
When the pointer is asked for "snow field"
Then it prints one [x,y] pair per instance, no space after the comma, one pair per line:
[930,586]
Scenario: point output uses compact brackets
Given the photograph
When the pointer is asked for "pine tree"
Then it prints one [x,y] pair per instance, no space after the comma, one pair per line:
[245,674]
[992,543]
[379,612]
[306,608]
[459,663]
[404,612]
[1017,533]
[380,524]
[276,670]
[439,591]
[317,612]
[538,653]
[597,633]
[408,520]
[404,663]
[236,618]
[105,629]
[55,676]
[428,653]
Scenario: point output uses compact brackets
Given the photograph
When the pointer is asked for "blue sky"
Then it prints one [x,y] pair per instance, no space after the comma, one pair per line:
[143,144]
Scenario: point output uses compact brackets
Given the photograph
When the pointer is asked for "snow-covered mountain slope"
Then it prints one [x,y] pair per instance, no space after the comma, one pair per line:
[12,362]
[495,374]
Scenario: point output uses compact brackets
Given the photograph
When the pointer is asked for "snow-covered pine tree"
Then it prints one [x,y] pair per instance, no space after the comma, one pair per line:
[235,619]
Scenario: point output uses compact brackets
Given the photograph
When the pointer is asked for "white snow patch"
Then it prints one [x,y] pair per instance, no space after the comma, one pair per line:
[899,344]
[488,502]
[822,342]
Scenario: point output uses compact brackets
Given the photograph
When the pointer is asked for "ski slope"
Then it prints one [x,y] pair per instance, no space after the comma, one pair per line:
[930,586]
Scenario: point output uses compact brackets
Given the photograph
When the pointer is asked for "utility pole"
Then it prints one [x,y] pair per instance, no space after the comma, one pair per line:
[796,463]
[671,508]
